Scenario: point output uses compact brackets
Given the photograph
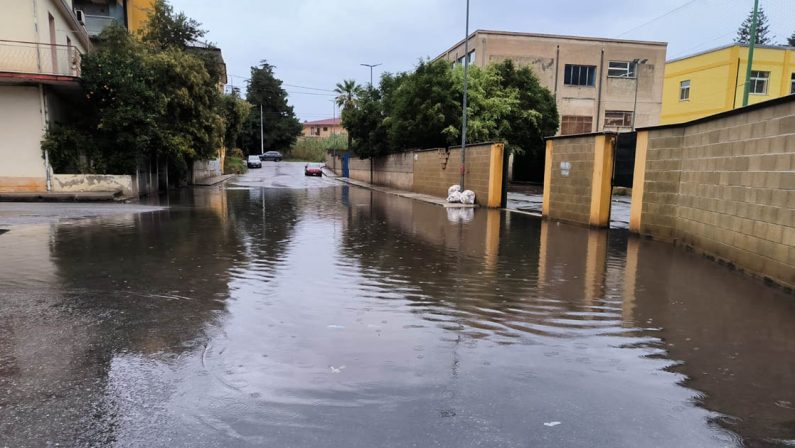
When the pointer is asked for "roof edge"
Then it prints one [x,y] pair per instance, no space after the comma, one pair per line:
[719,115]
[551,36]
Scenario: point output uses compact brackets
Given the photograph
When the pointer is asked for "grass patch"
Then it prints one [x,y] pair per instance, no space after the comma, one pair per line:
[313,149]
[234,165]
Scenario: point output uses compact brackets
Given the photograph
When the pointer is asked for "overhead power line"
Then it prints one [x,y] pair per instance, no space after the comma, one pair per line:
[678,8]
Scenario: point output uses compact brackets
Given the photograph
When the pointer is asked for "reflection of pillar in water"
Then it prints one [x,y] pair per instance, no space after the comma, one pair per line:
[543,247]
[493,218]
[630,277]
[595,265]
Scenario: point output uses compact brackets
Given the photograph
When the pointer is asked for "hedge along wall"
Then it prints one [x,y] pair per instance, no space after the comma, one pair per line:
[723,185]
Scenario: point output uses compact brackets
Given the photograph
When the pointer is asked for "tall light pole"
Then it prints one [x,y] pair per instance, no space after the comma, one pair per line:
[261,134]
[464,113]
[371,71]
[751,45]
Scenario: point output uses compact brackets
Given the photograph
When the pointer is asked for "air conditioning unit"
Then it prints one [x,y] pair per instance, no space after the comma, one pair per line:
[81,17]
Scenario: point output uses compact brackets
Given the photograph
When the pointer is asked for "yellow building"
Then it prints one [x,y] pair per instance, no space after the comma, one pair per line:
[713,81]
[97,15]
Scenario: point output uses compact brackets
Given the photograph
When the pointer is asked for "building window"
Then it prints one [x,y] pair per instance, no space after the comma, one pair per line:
[792,84]
[759,82]
[325,128]
[684,90]
[575,124]
[460,60]
[579,75]
[618,119]
[471,57]
[621,69]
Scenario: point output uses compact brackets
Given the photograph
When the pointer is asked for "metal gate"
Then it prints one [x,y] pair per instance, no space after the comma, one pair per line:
[624,160]
[346,156]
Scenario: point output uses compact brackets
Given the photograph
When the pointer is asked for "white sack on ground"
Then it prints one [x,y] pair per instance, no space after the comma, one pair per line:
[468,197]
[454,197]
[453,189]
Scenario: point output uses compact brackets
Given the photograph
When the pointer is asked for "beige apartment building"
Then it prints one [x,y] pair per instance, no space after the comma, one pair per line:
[599,84]
[323,128]
[41,43]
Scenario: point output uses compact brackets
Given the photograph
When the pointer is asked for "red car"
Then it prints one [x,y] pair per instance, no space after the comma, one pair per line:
[313,169]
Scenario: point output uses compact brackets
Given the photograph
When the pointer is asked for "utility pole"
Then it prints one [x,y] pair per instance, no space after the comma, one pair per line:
[371,71]
[751,45]
[464,113]
[261,134]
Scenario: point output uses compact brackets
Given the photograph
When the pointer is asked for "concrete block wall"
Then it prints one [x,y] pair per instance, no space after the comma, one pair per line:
[725,185]
[433,171]
[436,170]
[661,188]
[568,195]
[394,171]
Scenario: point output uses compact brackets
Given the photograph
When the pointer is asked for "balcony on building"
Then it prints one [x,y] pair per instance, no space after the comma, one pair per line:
[22,61]
[100,14]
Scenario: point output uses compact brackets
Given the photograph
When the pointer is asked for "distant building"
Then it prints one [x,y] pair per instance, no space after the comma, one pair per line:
[41,45]
[97,15]
[599,84]
[323,128]
[713,81]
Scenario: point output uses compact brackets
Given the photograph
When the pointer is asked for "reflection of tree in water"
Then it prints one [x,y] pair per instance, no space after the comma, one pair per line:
[469,277]
[147,286]
[266,220]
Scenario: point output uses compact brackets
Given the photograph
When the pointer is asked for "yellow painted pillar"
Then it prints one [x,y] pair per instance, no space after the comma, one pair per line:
[494,199]
[638,181]
[601,182]
[547,179]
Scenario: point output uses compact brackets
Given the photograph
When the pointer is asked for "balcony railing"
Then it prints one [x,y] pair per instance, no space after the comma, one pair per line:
[39,58]
[96,24]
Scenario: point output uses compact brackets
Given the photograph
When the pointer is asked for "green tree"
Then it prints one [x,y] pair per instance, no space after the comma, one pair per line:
[367,132]
[141,101]
[165,28]
[425,108]
[281,127]
[347,92]
[791,40]
[763,36]
[235,113]
[422,109]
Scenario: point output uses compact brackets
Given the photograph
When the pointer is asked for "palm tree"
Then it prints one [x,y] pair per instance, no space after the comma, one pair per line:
[347,92]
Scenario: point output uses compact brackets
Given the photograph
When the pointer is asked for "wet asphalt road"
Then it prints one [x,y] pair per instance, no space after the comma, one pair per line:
[286,311]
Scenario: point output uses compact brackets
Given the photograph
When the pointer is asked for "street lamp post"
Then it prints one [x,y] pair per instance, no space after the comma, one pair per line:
[371,71]
[464,113]
[261,133]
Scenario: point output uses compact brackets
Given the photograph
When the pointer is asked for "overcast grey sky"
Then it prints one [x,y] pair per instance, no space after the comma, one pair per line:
[316,43]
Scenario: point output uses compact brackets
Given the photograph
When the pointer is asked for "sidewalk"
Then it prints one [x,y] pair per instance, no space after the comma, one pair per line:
[406,194]
[209,181]
[49,196]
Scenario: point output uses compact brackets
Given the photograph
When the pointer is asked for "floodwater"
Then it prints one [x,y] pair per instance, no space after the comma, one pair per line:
[287,311]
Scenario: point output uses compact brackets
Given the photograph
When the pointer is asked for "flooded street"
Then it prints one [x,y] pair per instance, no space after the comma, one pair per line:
[286,311]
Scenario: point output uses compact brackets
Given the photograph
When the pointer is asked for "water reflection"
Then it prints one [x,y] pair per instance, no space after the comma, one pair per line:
[342,317]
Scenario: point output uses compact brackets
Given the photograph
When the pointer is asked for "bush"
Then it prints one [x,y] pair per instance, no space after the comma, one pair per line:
[313,149]
[235,165]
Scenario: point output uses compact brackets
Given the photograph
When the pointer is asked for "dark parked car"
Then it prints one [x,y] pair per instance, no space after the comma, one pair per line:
[313,169]
[253,162]
[271,155]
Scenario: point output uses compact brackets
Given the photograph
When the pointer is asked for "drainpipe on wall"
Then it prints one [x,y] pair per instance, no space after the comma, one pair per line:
[36,30]
[599,94]
[44,127]
[557,67]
